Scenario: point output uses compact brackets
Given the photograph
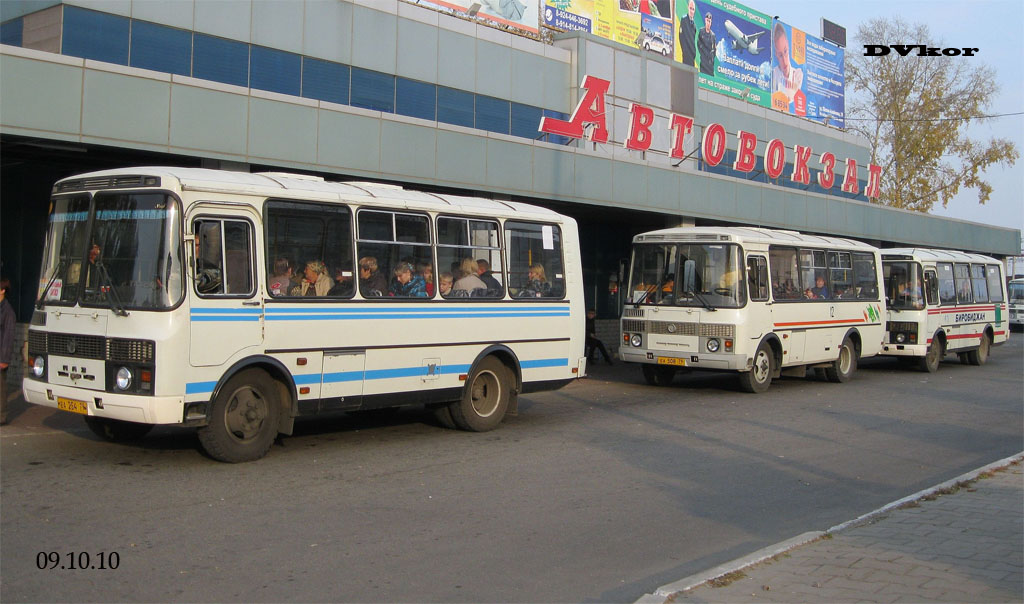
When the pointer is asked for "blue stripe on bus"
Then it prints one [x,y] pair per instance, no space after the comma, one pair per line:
[405,310]
[379,374]
[227,311]
[207,318]
[322,317]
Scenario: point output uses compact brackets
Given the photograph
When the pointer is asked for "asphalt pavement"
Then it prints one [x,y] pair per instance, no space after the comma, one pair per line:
[960,541]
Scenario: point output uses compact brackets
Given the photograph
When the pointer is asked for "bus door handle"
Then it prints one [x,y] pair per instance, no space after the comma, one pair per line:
[252,303]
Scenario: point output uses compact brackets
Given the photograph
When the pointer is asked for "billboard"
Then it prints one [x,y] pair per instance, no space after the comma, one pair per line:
[646,24]
[808,76]
[731,48]
[517,14]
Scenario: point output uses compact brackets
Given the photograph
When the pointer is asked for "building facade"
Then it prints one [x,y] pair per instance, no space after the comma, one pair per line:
[387,90]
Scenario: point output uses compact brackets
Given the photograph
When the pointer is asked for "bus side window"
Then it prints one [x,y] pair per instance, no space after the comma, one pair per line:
[757,277]
[931,283]
[947,288]
[995,282]
[223,257]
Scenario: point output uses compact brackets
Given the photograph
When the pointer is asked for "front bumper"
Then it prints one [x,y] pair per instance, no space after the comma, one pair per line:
[127,407]
[717,361]
[904,350]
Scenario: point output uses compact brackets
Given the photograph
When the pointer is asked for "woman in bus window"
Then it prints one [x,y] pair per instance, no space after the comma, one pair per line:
[537,285]
[371,282]
[469,281]
[315,282]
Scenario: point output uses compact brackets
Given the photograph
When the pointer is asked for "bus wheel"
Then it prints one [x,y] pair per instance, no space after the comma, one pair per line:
[485,398]
[760,375]
[931,359]
[115,430]
[443,415]
[656,375]
[843,367]
[980,356]
[243,418]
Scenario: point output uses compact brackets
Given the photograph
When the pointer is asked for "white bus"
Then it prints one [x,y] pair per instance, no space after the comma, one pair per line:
[943,301]
[760,302]
[237,302]
[1016,293]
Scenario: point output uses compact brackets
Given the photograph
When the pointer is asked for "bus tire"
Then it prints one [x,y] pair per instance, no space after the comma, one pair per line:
[759,377]
[485,398]
[243,418]
[656,375]
[841,370]
[930,361]
[979,356]
[443,415]
[115,430]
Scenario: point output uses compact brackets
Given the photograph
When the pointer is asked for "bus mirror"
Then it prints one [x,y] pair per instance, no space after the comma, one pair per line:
[689,271]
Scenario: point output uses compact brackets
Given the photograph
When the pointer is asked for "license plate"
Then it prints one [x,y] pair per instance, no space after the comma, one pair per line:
[671,361]
[70,404]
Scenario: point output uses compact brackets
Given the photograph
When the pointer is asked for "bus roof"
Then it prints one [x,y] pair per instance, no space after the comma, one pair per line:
[749,235]
[288,185]
[926,254]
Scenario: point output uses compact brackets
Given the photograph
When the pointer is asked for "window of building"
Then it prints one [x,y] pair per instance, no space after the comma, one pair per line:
[220,60]
[470,248]
[161,48]
[525,121]
[325,81]
[303,234]
[94,35]
[393,246]
[275,70]
[455,106]
[535,268]
[11,32]
[416,99]
[492,114]
[373,90]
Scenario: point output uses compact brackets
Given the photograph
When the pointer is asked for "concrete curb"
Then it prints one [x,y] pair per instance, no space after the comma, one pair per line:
[665,592]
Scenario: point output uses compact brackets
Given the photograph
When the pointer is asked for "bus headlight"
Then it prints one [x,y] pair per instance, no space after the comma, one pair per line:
[123,380]
[713,345]
[635,340]
[901,338]
[39,366]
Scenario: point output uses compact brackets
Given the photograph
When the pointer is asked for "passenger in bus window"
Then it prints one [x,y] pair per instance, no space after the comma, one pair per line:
[282,282]
[408,285]
[965,294]
[315,281]
[426,270]
[819,291]
[371,283]
[469,281]
[537,285]
[484,272]
[444,283]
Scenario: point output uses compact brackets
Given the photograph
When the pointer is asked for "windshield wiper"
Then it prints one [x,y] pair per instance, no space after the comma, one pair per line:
[112,297]
[703,301]
[648,291]
[56,271]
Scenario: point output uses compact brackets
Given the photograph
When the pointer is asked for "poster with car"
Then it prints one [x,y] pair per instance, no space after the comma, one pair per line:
[732,48]
[518,14]
[646,24]
[808,76]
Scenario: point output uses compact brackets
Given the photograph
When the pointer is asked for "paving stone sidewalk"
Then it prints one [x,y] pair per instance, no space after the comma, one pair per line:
[965,546]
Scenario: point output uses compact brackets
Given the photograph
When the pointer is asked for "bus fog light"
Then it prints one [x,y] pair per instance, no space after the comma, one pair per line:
[636,340]
[713,345]
[38,366]
[124,379]
[901,338]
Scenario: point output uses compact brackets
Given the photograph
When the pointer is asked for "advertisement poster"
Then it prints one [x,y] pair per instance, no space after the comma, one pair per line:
[646,24]
[519,14]
[808,77]
[732,48]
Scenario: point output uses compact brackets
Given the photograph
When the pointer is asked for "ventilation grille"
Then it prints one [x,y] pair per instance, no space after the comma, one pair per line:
[673,328]
[711,330]
[630,325]
[91,347]
[633,312]
[106,182]
[129,351]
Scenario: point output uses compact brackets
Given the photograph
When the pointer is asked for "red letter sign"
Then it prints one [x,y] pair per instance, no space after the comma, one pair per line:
[774,158]
[850,184]
[800,172]
[639,136]
[873,190]
[590,110]
[680,126]
[745,158]
[713,144]
[827,177]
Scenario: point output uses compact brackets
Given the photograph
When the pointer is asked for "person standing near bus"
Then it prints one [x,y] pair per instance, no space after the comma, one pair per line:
[7,323]
[594,343]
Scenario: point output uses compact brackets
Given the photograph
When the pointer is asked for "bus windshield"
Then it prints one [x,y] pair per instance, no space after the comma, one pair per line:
[128,257]
[687,274]
[1017,292]
[904,285]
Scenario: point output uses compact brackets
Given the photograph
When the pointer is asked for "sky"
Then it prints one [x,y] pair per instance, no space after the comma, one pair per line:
[995,27]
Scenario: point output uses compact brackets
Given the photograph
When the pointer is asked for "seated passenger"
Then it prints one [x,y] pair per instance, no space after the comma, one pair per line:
[469,280]
[537,285]
[444,283]
[408,285]
[371,282]
[426,270]
[484,272]
[282,283]
[315,282]
[819,291]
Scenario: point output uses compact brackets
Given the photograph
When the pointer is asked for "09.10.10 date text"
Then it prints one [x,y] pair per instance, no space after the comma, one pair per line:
[77,561]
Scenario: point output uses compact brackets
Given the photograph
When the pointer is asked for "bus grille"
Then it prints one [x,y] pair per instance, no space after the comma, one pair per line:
[91,347]
[629,325]
[633,312]
[711,330]
[672,328]
[107,182]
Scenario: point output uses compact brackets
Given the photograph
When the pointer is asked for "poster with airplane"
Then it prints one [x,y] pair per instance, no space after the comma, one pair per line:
[731,48]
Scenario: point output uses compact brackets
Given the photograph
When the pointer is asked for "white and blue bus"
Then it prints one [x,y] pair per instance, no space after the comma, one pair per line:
[236,302]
